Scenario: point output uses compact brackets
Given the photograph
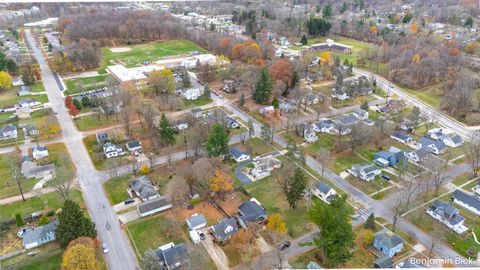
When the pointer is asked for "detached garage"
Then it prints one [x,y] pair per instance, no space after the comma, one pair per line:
[154,206]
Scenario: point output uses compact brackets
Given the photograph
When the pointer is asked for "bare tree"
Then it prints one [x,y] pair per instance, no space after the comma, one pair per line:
[324,157]
[177,189]
[397,210]
[15,165]
[62,182]
[472,154]
[359,135]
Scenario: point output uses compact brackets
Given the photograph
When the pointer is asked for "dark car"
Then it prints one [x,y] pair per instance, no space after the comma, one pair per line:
[284,245]
[129,201]
[386,177]
[202,235]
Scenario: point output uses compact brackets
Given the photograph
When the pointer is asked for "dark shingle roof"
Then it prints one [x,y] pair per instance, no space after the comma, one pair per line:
[324,188]
[384,262]
[153,204]
[388,238]
[173,255]
[401,135]
[470,200]
[225,228]
[236,153]
[251,211]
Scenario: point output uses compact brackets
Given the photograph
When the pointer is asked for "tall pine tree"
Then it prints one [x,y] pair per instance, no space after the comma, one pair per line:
[167,135]
[217,142]
[297,187]
[73,224]
[263,89]
[304,40]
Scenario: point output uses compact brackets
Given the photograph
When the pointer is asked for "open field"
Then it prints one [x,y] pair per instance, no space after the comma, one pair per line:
[8,186]
[80,85]
[12,100]
[148,52]
[91,121]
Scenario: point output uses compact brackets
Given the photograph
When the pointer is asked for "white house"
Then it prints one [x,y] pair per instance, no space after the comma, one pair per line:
[435,133]
[191,94]
[39,152]
[309,134]
[366,172]
[448,215]
[452,140]
[467,201]
[401,137]
[8,132]
[239,155]
[324,192]
[436,147]
[264,166]
[112,150]
[28,103]
[360,114]
[340,95]
[417,155]
[324,126]
[196,222]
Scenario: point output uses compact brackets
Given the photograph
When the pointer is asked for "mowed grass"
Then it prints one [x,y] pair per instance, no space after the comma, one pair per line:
[116,189]
[91,121]
[49,263]
[42,98]
[52,200]
[80,85]
[272,197]
[8,186]
[196,103]
[429,95]
[148,52]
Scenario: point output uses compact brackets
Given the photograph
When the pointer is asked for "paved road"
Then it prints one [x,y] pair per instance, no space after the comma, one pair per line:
[121,255]
[443,119]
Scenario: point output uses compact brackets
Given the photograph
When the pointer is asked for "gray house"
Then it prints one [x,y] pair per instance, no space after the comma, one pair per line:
[142,187]
[251,212]
[224,229]
[153,206]
[40,235]
[172,256]
[196,221]
[30,169]
[388,242]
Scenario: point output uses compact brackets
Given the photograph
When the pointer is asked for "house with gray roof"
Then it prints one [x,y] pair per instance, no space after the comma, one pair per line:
[23,90]
[153,206]
[435,147]
[224,229]
[134,145]
[383,262]
[467,201]
[30,169]
[324,126]
[452,140]
[324,192]
[172,256]
[196,221]
[39,235]
[448,215]
[142,188]
[366,172]
[264,166]
[8,132]
[401,137]
[251,212]
[388,242]
[418,155]
[360,114]
[39,152]
[101,137]
[239,155]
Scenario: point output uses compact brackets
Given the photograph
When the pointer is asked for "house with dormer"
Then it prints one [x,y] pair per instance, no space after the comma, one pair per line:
[469,202]
[324,192]
[388,242]
[224,229]
[448,215]
[366,172]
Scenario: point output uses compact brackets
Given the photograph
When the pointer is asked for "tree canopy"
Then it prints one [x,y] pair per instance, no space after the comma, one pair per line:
[73,224]
[167,135]
[263,89]
[80,255]
[217,141]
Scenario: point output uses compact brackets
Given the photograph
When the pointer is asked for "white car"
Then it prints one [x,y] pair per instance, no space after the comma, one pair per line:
[104,248]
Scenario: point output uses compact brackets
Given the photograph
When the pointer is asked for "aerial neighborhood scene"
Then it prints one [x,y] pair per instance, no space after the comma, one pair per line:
[294,134]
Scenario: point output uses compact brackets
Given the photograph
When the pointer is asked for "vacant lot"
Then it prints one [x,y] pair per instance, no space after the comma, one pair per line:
[51,201]
[80,85]
[116,189]
[148,52]
[8,186]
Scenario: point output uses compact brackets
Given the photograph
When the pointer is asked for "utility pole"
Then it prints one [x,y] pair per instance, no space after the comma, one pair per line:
[14,168]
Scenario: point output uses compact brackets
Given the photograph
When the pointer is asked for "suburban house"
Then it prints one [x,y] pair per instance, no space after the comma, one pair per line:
[39,235]
[112,150]
[238,155]
[360,114]
[9,108]
[8,132]
[309,134]
[228,86]
[172,256]
[435,133]
[452,140]
[448,215]
[101,137]
[369,122]
[287,106]
[312,98]
[340,94]
[401,137]
[324,192]
[153,206]
[263,166]
[30,169]
[435,147]
[324,126]
[134,146]
[251,212]
[389,158]
[417,155]
[388,242]
[366,172]
[23,90]
[196,222]
[39,152]
[266,110]
[467,201]
[231,123]
[179,125]
[28,102]
[192,93]
[142,188]
[224,229]
[197,112]
[343,124]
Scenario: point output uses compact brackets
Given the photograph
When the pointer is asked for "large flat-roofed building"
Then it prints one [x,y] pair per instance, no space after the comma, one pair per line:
[137,74]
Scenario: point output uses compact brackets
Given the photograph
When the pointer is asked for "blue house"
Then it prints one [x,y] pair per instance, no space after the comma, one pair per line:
[389,158]
[388,242]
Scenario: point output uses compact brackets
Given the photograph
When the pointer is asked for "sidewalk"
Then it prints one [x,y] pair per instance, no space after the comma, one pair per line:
[27,195]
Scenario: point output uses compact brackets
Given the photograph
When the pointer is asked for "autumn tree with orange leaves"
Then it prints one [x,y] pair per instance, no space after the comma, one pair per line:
[248,52]
[281,70]
[221,182]
[80,255]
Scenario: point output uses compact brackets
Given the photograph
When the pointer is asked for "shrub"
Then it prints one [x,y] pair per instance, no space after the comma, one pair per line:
[51,213]
[19,220]
[43,221]
[144,169]
[196,200]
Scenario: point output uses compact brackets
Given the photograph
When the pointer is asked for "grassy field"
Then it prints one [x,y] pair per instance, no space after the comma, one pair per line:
[429,95]
[8,186]
[117,189]
[43,98]
[198,102]
[89,122]
[148,52]
[52,200]
[80,85]
[368,187]
[265,190]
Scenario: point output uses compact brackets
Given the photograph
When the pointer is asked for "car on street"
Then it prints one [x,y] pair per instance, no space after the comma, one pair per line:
[105,248]
[284,245]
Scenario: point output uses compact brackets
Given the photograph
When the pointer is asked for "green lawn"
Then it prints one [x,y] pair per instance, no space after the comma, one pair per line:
[369,187]
[257,146]
[117,189]
[8,186]
[91,121]
[148,52]
[301,261]
[48,263]
[80,85]
[52,200]
[345,161]
[38,87]
[198,102]
[429,96]
[269,193]
[462,179]
[43,98]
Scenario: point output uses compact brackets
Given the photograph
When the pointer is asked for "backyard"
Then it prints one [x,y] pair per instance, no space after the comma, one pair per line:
[148,52]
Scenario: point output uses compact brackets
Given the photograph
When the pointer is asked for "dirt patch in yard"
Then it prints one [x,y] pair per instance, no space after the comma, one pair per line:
[231,201]
[211,213]
[120,49]
[10,241]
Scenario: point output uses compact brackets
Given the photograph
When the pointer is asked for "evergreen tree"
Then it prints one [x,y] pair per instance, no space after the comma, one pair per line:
[186,79]
[207,92]
[241,102]
[469,22]
[86,101]
[19,220]
[167,135]
[364,105]
[275,103]
[370,222]
[266,133]
[339,81]
[336,237]
[251,130]
[217,141]
[77,104]
[263,89]
[304,40]
[298,184]
[73,224]
[295,80]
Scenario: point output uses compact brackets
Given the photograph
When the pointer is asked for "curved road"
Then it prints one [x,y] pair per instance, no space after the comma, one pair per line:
[120,255]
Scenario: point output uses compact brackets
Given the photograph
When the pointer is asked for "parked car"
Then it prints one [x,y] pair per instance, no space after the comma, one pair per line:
[202,235]
[129,201]
[386,177]
[104,248]
[284,245]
